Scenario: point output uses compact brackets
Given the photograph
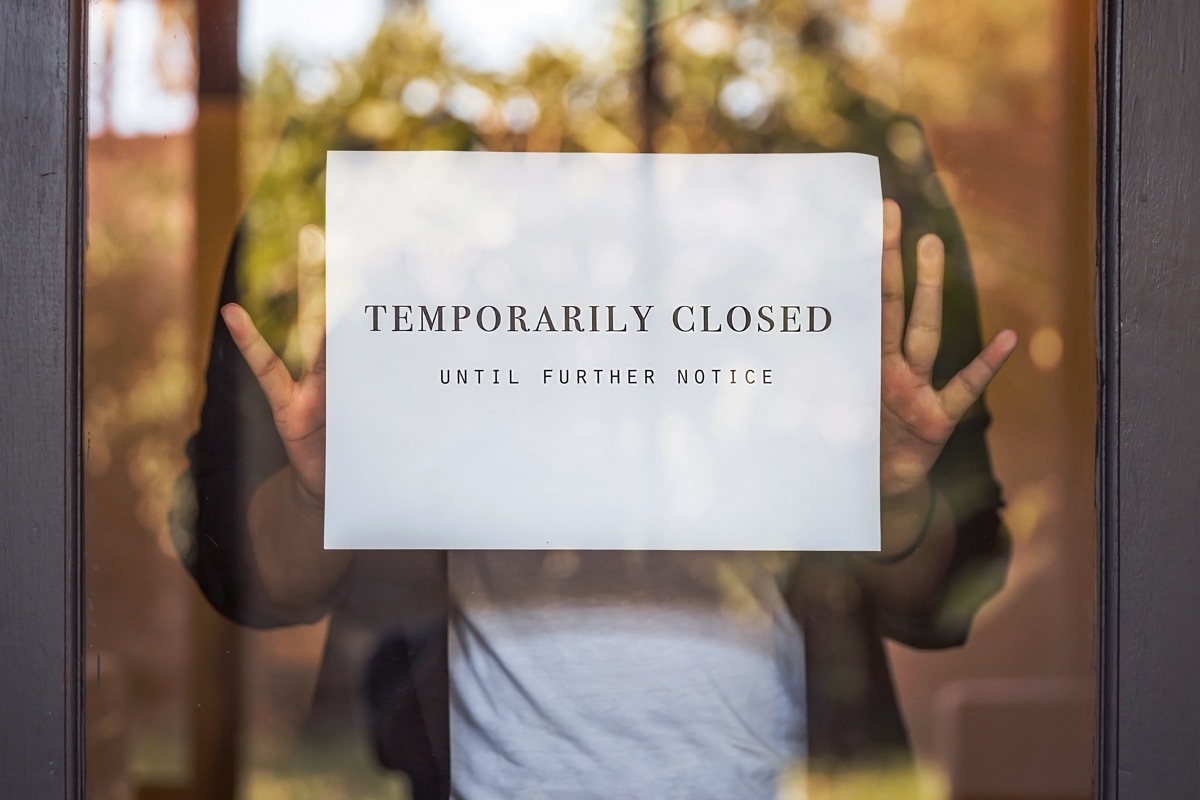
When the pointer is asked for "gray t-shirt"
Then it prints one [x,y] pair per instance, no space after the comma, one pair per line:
[622,674]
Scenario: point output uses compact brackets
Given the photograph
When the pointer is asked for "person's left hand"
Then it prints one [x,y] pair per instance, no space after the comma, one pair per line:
[916,419]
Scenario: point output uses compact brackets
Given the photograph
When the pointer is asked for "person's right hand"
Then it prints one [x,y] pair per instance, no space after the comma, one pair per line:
[298,406]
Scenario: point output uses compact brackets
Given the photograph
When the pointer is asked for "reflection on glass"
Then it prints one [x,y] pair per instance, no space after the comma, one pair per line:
[996,95]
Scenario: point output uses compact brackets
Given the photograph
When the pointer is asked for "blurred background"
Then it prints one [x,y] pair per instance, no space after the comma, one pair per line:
[204,113]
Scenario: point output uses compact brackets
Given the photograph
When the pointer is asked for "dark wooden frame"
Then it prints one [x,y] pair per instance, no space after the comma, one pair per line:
[1149,437]
[1148,650]
[1108,339]
[41,236]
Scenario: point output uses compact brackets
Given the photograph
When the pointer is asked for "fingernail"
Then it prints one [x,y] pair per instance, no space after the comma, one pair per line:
[232,320]
[891,216]
[930,246]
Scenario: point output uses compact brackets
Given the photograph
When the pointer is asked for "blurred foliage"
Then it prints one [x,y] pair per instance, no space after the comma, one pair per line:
[319,768]
[867,782]
[404,94]
[137,245]
[976,63]
[728,76]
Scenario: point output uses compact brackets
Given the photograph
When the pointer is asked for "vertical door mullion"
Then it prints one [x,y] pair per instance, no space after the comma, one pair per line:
[41,178]
[1150,433]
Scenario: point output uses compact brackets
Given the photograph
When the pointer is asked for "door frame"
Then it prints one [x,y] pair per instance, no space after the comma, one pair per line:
[42,139]
[1148,441]
[1148,436]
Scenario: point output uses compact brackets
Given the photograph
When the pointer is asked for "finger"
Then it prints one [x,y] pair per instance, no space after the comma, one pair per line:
[893,280]
[314,379]
[310,290]
[966,387]
[270,371]
[318,366]
[924,333]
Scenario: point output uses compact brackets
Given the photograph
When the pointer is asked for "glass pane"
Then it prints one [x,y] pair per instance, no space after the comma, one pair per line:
[387,671]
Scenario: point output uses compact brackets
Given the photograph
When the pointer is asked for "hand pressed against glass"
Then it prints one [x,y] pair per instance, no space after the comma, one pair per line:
[286,513]
[916,419]
[918,528]
[298,406]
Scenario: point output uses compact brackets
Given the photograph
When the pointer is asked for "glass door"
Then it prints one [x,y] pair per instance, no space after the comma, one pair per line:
[983,118]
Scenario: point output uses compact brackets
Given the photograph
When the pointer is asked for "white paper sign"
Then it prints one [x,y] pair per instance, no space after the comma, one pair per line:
[543,351]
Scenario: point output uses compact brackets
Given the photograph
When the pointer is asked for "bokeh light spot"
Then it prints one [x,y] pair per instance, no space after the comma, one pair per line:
[1046,348]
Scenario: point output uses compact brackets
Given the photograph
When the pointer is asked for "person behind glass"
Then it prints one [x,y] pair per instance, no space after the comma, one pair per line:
[618,674]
